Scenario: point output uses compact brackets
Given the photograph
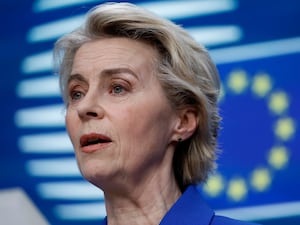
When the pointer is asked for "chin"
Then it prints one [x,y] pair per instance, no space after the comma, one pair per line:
[95,178]
[92,170]
[96,173]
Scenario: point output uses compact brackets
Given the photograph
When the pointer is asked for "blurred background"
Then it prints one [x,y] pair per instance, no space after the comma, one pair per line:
[256,46]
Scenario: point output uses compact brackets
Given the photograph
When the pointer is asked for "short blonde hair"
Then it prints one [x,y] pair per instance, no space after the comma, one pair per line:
[185,71]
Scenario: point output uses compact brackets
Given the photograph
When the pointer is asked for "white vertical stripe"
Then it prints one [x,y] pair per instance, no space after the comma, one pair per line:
[41,116]
[83,211]
[39,87]
[70,190]
[256,50]
[46,143]
[44,5]
[54,29]
[61,167]
[188,8]
[215,35]
[41,62]
[262,212]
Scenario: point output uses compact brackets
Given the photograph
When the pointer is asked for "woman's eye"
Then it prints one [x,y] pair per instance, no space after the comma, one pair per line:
[76,95]
[117,89]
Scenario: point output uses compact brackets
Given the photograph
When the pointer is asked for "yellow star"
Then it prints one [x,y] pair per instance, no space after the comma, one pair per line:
[237,81]
[278,102]
[214,185]
[278,157]
[261,179]
[285,128]
[261,84]
[237,189]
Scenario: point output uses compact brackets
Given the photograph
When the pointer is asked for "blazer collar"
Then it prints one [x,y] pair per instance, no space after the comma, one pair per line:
[189,209]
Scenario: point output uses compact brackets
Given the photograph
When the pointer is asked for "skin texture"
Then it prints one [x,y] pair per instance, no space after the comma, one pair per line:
[113,93]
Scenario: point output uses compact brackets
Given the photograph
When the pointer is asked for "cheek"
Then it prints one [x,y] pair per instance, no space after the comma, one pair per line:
[71,125]
[143,124]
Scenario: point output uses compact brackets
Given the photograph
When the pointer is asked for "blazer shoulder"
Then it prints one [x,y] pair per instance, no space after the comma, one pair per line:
[222,220]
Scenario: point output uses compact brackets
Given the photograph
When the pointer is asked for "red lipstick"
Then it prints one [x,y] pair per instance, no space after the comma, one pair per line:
[92,142]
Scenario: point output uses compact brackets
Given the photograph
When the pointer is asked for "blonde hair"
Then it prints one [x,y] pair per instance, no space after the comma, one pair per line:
[185,71]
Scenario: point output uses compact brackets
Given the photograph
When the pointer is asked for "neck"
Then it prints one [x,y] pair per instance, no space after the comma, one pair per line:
[144,203]
[143,207]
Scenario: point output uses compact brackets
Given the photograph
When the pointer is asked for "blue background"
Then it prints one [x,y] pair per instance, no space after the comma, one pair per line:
[265,40]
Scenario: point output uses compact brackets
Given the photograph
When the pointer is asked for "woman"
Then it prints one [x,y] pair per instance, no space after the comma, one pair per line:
[141,98]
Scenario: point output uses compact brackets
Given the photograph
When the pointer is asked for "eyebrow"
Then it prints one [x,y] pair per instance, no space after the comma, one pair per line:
[76,76]
[105,73]
[113,71]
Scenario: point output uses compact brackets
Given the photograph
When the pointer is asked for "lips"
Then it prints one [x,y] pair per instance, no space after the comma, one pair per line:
[94,141]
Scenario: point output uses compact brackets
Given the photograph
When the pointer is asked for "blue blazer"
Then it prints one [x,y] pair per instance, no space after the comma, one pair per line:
[190,209]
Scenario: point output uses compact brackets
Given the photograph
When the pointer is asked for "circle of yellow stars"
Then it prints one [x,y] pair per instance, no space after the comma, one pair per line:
[278,102]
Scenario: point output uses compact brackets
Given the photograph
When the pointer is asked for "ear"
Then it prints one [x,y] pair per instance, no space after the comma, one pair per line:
[186,124]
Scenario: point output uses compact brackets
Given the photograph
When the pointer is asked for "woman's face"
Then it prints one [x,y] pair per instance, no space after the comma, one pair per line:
[118,118]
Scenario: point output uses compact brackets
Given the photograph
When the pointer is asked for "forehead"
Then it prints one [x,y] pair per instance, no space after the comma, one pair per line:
[114,52]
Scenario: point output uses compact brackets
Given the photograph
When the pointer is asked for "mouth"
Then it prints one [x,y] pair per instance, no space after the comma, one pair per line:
[94,139]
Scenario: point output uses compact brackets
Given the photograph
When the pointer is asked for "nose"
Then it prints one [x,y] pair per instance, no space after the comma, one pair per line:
[90,108]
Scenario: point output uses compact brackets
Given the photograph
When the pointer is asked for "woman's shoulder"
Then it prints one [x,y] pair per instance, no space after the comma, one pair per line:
[222,220]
